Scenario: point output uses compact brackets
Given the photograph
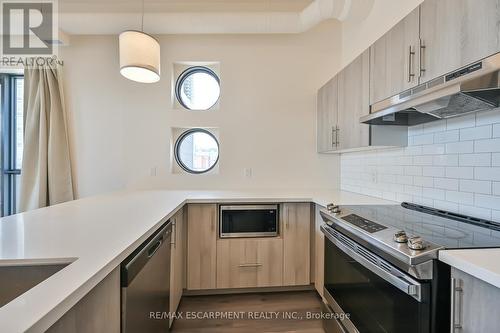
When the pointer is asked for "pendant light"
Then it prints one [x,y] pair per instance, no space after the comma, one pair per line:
[139,55]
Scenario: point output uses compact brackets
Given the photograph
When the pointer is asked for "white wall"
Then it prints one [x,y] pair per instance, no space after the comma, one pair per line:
[119,129]
[452,165]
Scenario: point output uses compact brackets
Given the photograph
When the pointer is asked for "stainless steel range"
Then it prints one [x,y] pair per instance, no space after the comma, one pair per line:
[381,267]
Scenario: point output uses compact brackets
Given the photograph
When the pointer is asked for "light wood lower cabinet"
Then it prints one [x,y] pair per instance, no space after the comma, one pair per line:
[247,262]
[296,225]
[97,312]
[476,304]
[201,246]
[177,262]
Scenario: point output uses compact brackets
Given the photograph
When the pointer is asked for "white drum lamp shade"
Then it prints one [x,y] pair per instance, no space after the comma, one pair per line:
[139,56]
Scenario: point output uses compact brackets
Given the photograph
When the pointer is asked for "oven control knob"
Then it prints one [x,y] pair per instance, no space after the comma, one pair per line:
[416,243]
[332,208]
[400,237]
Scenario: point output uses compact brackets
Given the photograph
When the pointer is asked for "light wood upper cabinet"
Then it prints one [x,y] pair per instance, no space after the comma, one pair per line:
[456,33]
[327,108]
[296,225]
[177,262]
[353,82]
[476,304]
[249,262]
[201,247]
[394,59]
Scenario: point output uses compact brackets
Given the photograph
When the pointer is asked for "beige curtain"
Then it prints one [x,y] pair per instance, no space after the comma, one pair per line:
[46,170]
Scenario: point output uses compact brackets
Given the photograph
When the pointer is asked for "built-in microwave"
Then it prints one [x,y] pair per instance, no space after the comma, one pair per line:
[248,220]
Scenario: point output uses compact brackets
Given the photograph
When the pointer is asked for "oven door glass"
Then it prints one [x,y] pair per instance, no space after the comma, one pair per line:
[373,304]
[251,221]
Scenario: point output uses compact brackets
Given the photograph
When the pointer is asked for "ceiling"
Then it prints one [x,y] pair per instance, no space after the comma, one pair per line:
[182,6]
[202,16]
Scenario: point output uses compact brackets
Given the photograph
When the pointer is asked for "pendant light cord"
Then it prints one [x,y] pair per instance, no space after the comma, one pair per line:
[142,18]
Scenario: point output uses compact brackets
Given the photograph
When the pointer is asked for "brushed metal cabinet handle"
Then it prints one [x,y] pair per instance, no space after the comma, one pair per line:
[174,236]
[421,58]
[411,53]
[337,142]
[455,288]
[334,137]
[250,265]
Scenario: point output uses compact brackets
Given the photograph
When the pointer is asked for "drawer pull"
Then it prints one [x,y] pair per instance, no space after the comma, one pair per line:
[250,265]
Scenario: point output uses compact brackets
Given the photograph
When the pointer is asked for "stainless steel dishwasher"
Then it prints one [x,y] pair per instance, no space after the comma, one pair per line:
[145,282]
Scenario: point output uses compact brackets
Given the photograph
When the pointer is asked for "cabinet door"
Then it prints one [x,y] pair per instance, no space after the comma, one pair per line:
[296,225]
[319,244]
[476,305]
[394,59]
[456,33]
[97,312]
[201,247]
[354,102]
[327,106]
[247,262]
[177,261]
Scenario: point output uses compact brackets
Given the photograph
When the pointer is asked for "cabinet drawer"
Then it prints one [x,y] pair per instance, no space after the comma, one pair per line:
[247,263]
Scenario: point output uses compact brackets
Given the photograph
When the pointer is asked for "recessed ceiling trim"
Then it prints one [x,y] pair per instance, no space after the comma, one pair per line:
[208,22]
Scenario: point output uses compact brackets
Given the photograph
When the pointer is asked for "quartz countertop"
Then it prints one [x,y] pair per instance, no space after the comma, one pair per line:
[483,264]
[95,234]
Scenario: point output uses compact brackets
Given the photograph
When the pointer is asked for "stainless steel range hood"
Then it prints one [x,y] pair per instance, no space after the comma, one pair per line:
[469,89]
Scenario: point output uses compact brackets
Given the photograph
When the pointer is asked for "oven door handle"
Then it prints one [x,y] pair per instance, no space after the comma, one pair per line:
[395,277]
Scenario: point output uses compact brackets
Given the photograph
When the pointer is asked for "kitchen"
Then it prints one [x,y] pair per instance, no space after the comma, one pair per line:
[191,211]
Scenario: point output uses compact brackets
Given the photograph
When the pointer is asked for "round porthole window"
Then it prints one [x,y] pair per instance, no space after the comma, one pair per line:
[197,151]
[198,88]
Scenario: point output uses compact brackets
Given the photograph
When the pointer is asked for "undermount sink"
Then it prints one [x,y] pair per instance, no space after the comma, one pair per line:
[16,279]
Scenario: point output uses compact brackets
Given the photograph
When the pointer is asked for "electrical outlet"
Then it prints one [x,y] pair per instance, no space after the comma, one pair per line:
[248,172]
[153,171]
[374,176]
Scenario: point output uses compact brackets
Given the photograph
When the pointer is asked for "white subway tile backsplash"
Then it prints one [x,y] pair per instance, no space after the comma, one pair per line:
[423,181]
[487,117]
[446,183]
[413,170]
[483,213]
[424,139]
[495,215]
[487,201]
[435,126]
[482,159]
[460,172]
[475,186]
[423,160]
[413,190]
[461,122]
[460,197]
[495,159]
[487,146]
[496,188]
[460,147]
[448,136]
[452,165]
[433,193]
[445,160]
[416,130]
[446,205]
[487,173]
[435,149]
[433,171]
[405,180]
[496,131]
[475,133]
